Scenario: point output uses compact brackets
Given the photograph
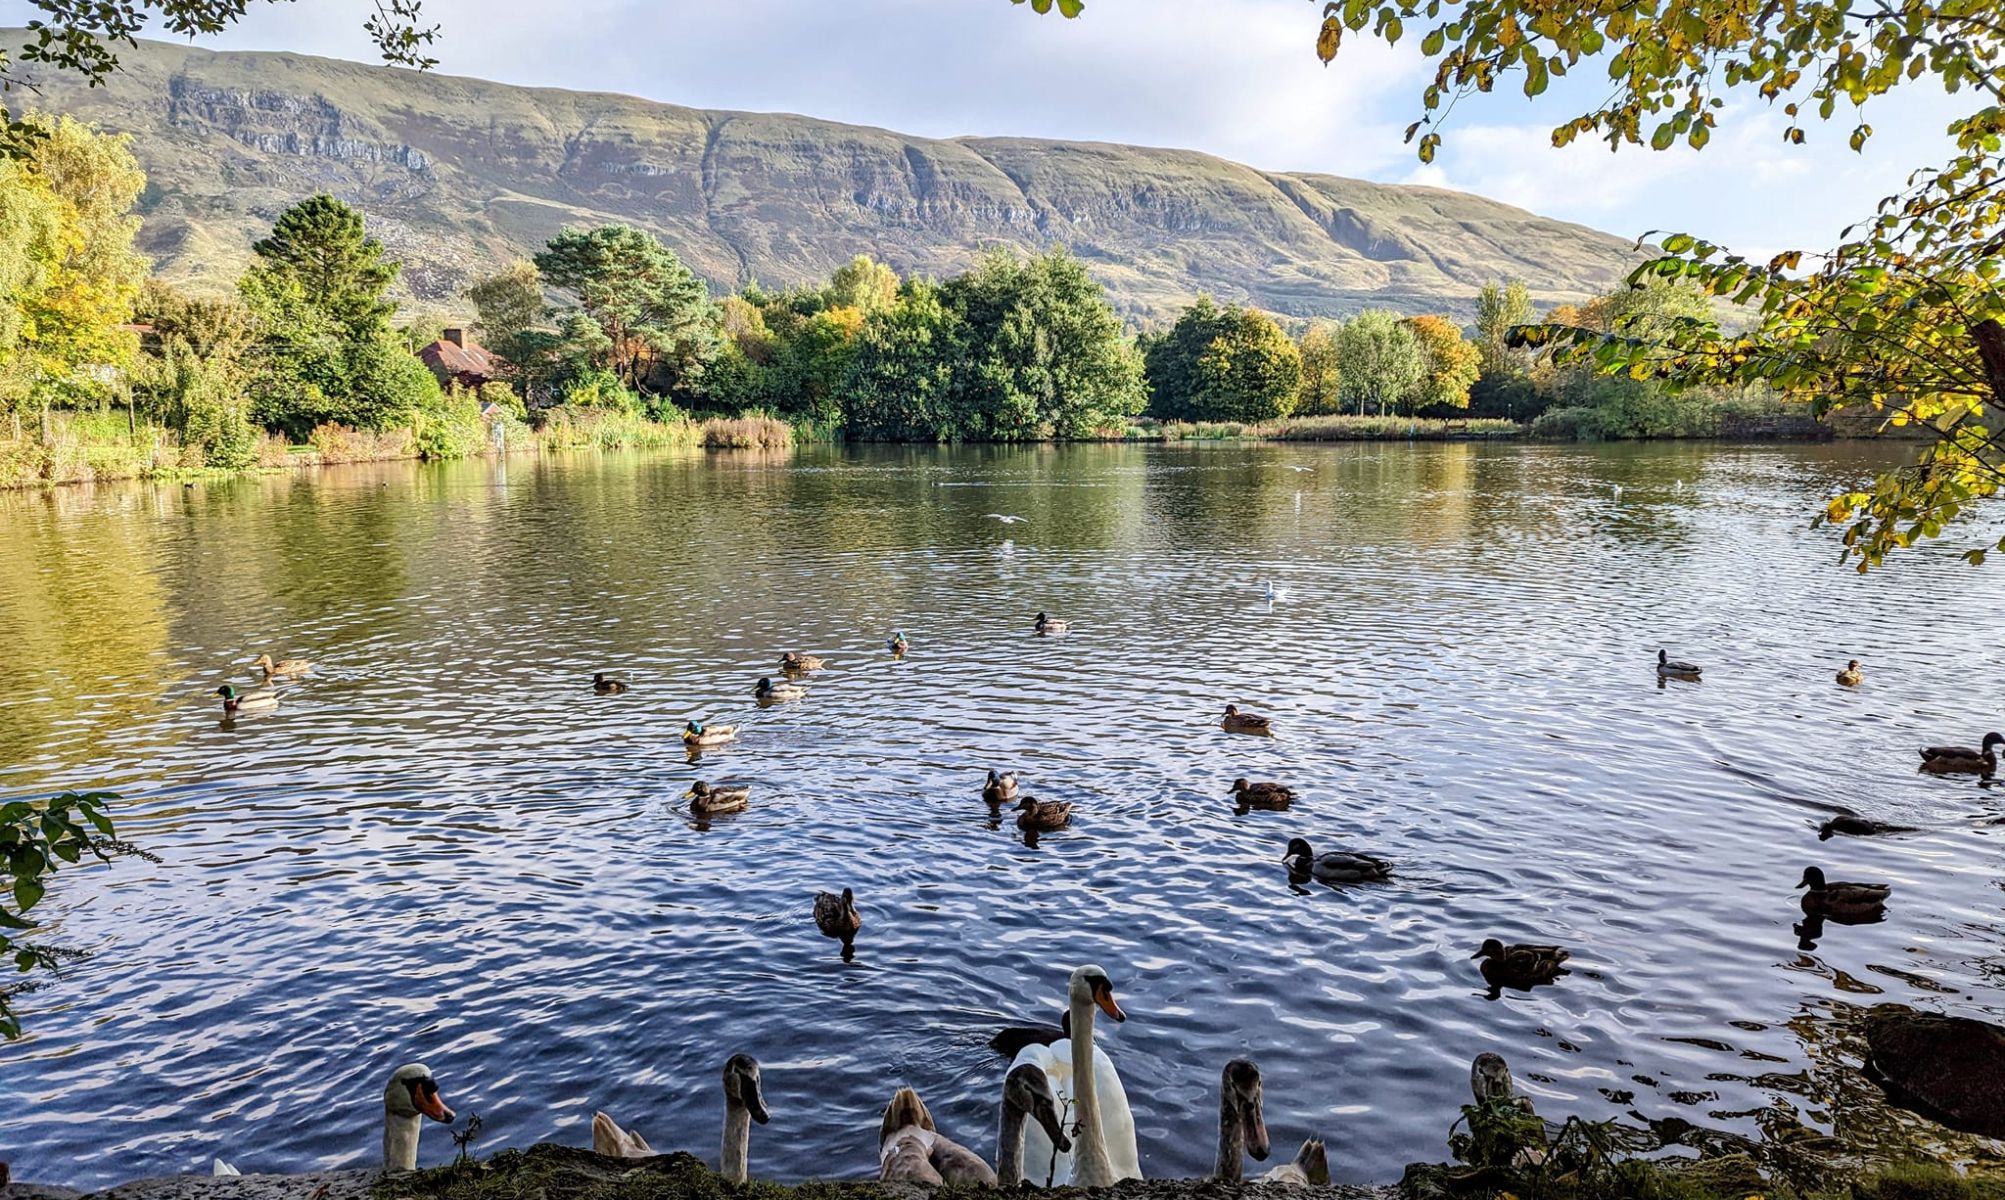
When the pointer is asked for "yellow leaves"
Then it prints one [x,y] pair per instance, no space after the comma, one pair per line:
[1329,39]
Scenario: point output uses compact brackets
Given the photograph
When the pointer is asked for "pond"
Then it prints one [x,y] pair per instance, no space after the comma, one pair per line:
[443,846]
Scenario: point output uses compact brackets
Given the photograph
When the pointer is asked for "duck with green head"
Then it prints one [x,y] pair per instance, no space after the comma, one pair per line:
[697,734]
[235,702]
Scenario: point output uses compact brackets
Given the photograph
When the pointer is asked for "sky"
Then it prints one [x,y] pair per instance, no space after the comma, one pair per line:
[1238,78]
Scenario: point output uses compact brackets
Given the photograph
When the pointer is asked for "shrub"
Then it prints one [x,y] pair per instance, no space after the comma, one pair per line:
[751,430]
[340,444]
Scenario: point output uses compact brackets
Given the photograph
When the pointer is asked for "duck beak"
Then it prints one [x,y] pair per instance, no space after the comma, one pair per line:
[690,794]
[1103,995]
[1478,954]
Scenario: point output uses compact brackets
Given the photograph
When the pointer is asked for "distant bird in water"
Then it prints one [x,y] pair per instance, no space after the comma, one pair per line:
[836,917]
[1044,815]
[1006,518]
[1303,470]
[1840,900]
[1671,668]
[897,644]
[606,685]
[768,692]
[1046,627]
[1851,676]
[233,703]
[1000,788]
[1265,794]
[1618,491]
[1962,760]
[1273,593]
[1235,721]
[707,801]
[1334,866]
[1520,965]
[1854,825]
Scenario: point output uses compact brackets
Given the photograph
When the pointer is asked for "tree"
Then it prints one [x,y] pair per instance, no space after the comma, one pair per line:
[1223,364]
[1903,320]
[901,383]
[1499,309]
[863,284]
[320,244]
[1449,364]
[655,314]
[1320,379]
[1379,362]
[36,838]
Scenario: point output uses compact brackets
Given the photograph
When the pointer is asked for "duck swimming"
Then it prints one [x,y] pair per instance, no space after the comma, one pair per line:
[1000,789]
[233,703]
[1043,815]
[795,663]
[1963,760]
[768,692]
[1854,825]
[897,644]
[1262,795]
[707,801]
[606,685]
[1520,965]
[1851,676]
[283,668]
[1046,627]
[1823,897]
[696,734]
[837,917]
[1671,668]
[1239,722]
[1334,866]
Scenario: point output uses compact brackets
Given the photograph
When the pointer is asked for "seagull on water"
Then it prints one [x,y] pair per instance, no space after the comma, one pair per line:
[1005,518]
[1303,470]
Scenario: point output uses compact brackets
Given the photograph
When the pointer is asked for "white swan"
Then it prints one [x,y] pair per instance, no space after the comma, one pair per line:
[1084,1079]
[613,1142]
[411,1095]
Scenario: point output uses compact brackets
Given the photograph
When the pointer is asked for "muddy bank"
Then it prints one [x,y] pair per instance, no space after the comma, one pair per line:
[547,1172]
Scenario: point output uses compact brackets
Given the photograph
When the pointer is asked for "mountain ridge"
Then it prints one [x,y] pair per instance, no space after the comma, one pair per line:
[457,175]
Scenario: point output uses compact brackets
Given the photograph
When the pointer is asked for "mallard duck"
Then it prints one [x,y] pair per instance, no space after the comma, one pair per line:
[1851,676]
[706,801]
[606,685]
[795,662]
[897,644]
[696,733]
[1239,722]
[836,917]
[283,667]
[255,702]
[1822,897]
[1262,795]
[1046,627]
[1962,760]
[1671,668]
[1043,814]
[1520,965]
[1853,825]
[769,692]
[1334,866]
[1490,1079]
[1000,789]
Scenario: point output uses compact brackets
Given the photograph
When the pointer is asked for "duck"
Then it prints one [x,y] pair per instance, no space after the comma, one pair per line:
[897,644]
[411,1095]
[283,668]
[1520,965]
[793,662]
[912,1150]
[1239,722]
[606,685]
[1490,1080]
[1261,795]
[768,692]
[707,801]
[1854,825]
[1962,760]
[1334,866]
[234,703]
[1671,668]
[1851,676]
[1012,1038]
[1836,898]
[836,917]
[613,1142]
[1027,1096]
[1104,1146]
[696,734]
[1046,627]
[744,1103]
[1000,789]
[1242,1130]
[1043,814]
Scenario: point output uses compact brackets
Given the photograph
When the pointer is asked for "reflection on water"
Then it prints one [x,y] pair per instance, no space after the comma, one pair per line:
[445,846]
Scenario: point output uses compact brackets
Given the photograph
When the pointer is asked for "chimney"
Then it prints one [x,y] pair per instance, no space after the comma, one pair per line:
[456,336]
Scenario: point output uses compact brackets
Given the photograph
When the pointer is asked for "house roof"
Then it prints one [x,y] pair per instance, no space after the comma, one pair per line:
[454,359]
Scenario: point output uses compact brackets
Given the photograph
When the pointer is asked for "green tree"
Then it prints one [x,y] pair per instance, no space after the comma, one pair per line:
[37,837]
[863,284]
[901,384]
[320,244]
[659,323]
[1449,363]
[197,382]
[1320,380]
[1379,361]
[1223,364]
[1499,309]
[1903,320]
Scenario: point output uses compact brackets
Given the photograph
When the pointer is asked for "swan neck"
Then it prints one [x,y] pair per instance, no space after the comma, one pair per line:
[400,1142]
[1231,1140]
[735,1161]
[1091,1165]
[1009,1147]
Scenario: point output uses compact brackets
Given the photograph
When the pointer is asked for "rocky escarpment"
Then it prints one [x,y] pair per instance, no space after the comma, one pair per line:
[459,175]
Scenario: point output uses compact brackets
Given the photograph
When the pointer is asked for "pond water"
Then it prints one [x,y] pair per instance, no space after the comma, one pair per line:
[444,847]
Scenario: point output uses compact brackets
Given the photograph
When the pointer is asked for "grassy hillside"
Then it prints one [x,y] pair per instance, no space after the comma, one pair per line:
[458,174]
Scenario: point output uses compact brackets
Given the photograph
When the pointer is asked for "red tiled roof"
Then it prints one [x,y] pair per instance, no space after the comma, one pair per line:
[455,360]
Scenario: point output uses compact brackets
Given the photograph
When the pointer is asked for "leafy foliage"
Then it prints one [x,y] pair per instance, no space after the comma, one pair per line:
[1223,364]
[36,838]
[1449,364]
[1382,364]
[1321,370]
[659,325]
[320,244]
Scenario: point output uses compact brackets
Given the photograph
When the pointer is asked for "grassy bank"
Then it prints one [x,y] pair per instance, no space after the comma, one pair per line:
[1336,428]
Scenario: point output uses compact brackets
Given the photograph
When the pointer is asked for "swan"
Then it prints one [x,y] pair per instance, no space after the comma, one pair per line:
[410,1095]
[743,1104]
[613,1142]
[1242,1130]
[1026,1093]
[1084,1076]
[911,1149]
[220,1168]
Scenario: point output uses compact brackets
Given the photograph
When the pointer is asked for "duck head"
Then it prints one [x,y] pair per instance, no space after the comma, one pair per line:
[765,686]
[1662,657]
[1298,856]
[1238,785]
[227,692]
[741,1086]
[1813,878]
[697,791]
[263,662]
[412,1092]
[1490,1077]
[1492,948]
[1089,985]
[1993,739]
[1239,1093]
[1028,1091]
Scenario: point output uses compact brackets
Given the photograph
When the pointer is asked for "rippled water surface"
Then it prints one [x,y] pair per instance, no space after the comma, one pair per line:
[444,847]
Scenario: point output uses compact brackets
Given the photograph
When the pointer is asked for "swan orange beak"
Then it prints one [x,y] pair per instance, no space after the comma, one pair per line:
[428,1103]
[1103,995]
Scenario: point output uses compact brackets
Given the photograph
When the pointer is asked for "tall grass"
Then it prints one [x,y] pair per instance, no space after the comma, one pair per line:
[567,428]
[751,431]
[1332,428]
